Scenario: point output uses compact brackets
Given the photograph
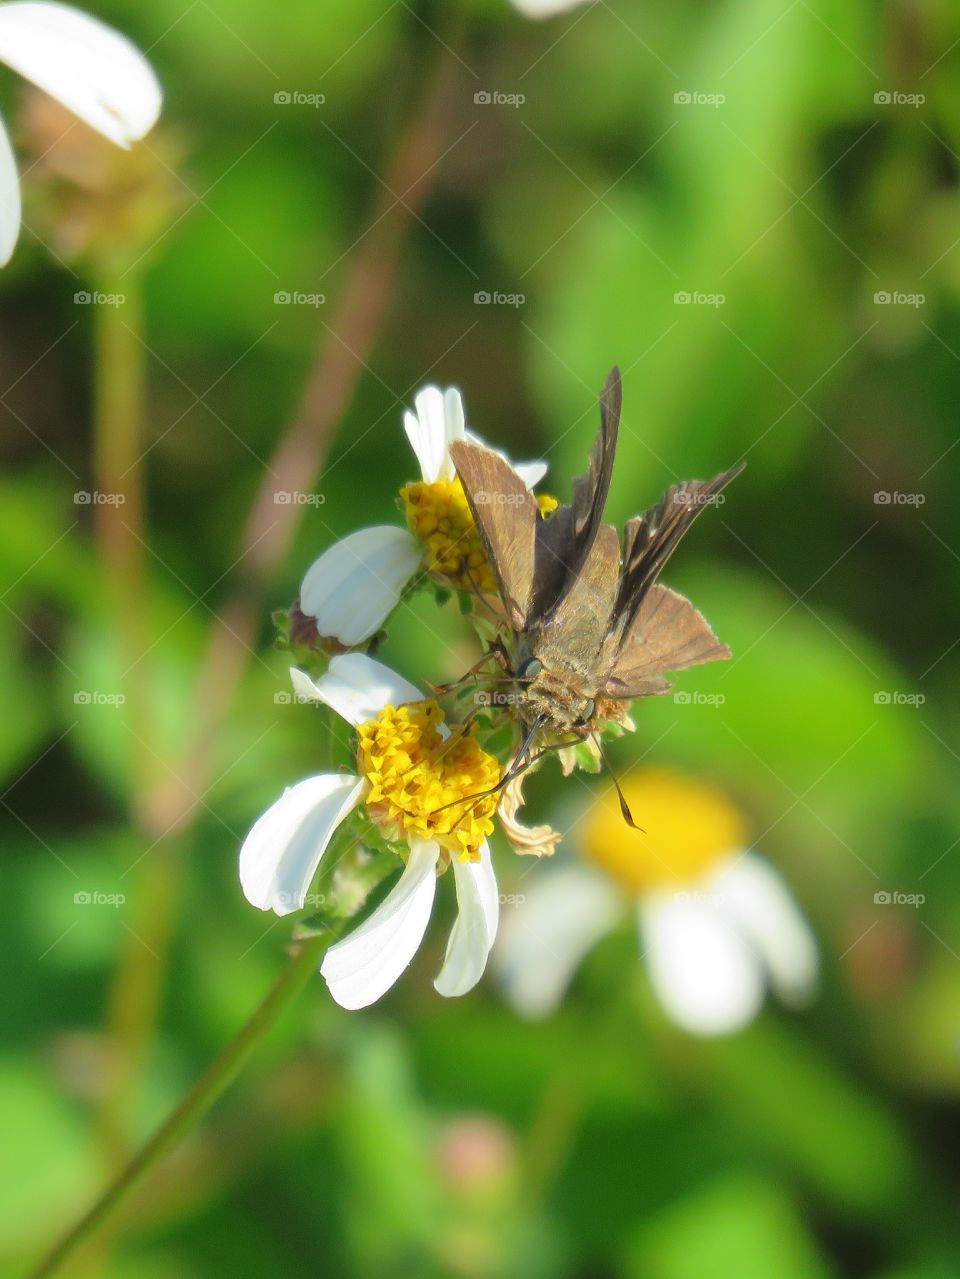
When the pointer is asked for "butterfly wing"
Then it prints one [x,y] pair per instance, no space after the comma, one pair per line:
[667,634]
[572,635]
[651,539]
[563,541]
[506,514]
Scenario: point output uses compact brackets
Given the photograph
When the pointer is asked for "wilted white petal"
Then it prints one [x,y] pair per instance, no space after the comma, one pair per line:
[544,8]
[9,199]
[92,69]
[478,908]
[438,421]
[705,974]
[280,856]
[530,472]
[753,895]
[356,686]
[559,915]
[355,585]
[366,964]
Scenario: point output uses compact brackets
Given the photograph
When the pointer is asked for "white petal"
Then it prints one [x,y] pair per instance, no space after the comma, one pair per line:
[366,964]
[9,199]
[753,895]
[544,937]
[530,472]
[356,687]
[438,421]
[478,909]
[544,8]
[280,856]
[355,585]
[706,976]
[92,69]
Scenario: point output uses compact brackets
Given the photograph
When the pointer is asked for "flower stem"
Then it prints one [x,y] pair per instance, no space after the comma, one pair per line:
[201,1097]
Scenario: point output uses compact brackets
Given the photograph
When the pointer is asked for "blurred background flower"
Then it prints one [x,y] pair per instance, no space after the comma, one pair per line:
[716,922]
[752,207]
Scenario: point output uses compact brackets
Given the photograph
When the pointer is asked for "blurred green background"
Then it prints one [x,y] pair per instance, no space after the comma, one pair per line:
[444,1138]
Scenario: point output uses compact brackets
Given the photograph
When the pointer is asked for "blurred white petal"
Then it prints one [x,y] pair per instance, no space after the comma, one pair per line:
[754,896]
[530,472]
[280,856]
[545,937]
[9,199]
[438,421]
[355,585]
[478,908]
[544,8]
[357,687]
[704,973]
[366,963]
[92,69]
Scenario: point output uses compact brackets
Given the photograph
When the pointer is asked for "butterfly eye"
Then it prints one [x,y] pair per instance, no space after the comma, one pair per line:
[530,669]
[589,708]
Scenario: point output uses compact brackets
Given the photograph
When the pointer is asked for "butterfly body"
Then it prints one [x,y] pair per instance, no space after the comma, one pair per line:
[587,621]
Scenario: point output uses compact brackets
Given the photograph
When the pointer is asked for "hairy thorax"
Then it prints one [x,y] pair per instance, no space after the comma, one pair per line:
[558,697]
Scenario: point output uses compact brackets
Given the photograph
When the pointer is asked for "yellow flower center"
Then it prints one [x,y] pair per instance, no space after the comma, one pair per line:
[688,828]
[439,515]
[415,773]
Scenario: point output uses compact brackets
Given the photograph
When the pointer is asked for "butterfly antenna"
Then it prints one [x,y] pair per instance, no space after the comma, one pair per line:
[624,806]
[515,769]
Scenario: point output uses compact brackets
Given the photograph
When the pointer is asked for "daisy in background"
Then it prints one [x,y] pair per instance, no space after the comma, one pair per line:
[717,924]
[354,586]
[545,8]
[91,69]
[409,768]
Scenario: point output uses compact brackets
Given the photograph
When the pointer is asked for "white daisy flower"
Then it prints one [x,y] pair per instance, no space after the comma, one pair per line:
[355,585]
[717,925]
[545,8]
[91,69]
[409,769]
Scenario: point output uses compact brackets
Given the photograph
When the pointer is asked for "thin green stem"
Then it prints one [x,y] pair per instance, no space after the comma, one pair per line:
[200,1098]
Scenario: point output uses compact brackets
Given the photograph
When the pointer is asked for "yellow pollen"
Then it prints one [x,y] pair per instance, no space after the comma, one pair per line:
[415,772]
[438,514]
[547,504]
[689,827]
